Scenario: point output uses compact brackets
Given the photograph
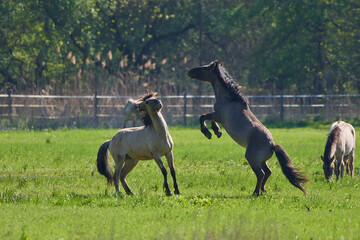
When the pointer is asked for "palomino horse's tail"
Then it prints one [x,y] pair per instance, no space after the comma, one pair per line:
[288,168]
[102,162]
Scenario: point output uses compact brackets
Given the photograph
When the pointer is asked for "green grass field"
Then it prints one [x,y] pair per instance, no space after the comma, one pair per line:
[50,189]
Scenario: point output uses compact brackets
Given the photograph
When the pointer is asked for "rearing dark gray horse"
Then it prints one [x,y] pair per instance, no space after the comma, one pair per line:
[233,112]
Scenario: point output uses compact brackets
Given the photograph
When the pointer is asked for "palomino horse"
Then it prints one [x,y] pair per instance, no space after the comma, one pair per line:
[233,112]
[147,142]
[130,112]
[339,150]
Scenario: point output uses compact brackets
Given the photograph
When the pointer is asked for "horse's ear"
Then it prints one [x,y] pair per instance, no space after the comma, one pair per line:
[214,65]
[322,158]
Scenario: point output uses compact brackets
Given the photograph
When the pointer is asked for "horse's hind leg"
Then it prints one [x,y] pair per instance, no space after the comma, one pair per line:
[351,163]
[170,160]
[256,167]
[260,178]
[267,172]
[346,161]
[215,127]
[164,172]
[129,165]
[257,153]
[119,162]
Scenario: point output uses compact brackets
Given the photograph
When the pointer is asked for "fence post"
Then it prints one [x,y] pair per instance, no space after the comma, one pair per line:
[95,107]
[185,103]
[282,106]
[10,104]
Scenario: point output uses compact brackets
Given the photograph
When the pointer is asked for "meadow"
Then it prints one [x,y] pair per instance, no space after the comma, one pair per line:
[50,189]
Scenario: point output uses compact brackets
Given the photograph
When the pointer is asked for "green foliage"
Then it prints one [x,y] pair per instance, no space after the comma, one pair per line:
[126,46]
[50,188]
[296,45]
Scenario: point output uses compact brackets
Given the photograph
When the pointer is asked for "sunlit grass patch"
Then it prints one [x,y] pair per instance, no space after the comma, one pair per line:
[50,188]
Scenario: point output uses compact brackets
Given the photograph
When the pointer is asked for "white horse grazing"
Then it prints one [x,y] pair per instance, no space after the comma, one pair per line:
[131,112]
[339,150]
[147,142]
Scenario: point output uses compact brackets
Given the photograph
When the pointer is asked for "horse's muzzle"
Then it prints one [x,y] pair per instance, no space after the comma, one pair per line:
[329,179]
[191,73]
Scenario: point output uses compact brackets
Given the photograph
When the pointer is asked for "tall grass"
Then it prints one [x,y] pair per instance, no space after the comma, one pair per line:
[50,189]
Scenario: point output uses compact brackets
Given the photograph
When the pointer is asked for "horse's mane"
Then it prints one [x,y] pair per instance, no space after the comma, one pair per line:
[144,115]
[146,96]
[229,83]
[332,139]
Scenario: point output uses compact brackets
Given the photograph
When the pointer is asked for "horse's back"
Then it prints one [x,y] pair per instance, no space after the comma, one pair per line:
[346,138]
[139,143]
[350,135]
[343,125]
[345,128]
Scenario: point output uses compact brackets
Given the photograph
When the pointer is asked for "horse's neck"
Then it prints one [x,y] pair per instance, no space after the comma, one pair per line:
[159,124]
[219,89]
[330,148]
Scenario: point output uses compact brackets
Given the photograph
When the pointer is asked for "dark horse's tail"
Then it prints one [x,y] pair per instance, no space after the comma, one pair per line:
[102,162]
[288,168]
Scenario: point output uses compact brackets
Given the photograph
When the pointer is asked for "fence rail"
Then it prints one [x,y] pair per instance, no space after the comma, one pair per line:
[100,110]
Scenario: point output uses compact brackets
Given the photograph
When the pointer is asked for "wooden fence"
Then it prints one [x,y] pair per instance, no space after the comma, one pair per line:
[40,111]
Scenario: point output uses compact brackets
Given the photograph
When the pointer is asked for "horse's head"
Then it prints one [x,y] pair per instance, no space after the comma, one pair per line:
[204,73]
[328,166]
[153,105]
[149,103]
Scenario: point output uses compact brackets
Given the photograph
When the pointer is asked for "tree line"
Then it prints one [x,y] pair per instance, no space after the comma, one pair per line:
[127,46]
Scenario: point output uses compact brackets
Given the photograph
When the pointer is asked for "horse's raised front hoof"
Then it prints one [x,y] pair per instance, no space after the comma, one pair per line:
[208,135]
[218,133]
[206,132]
